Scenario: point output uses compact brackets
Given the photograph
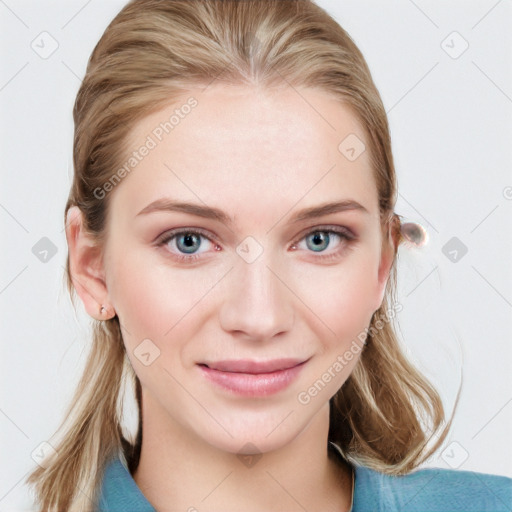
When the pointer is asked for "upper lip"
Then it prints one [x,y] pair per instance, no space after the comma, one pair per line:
[248,366]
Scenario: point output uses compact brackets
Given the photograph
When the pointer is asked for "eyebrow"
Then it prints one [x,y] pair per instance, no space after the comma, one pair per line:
[208,212]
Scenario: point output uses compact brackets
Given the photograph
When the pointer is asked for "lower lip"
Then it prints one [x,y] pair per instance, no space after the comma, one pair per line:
[250,384]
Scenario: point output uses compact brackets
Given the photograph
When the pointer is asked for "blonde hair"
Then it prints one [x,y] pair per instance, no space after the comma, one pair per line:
[153,51]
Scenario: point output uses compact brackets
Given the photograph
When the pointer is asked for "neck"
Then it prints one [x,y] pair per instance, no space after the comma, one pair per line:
[179,471]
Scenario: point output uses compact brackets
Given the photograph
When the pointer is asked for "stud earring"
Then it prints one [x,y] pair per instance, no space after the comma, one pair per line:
[104,310]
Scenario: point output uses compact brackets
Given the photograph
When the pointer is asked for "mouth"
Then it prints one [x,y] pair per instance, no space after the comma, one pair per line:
[252,378]
[253,367]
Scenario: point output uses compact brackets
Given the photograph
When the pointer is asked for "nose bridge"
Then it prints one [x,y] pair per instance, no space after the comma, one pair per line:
[257,302]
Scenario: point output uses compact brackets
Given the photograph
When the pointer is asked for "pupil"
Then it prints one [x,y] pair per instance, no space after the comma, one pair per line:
[320,239]
[189,241]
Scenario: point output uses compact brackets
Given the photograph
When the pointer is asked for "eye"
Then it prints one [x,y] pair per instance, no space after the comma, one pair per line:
[185,244]
[189,244]
[321,238]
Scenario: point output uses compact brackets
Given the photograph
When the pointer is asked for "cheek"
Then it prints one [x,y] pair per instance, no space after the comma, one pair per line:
[157,301]
[341,296]
[342,299]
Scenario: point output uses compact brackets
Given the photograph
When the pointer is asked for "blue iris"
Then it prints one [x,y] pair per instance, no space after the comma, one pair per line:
[318,237]
[190,244]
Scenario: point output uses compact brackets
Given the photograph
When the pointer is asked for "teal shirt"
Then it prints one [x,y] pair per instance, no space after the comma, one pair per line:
[424,490]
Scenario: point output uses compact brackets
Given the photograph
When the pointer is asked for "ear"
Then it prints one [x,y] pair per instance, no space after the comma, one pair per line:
[388,252]
[86,266]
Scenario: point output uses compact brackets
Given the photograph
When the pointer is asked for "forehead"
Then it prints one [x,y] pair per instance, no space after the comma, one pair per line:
[243,145]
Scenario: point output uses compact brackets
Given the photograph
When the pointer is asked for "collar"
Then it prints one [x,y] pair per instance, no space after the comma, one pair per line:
[119,491]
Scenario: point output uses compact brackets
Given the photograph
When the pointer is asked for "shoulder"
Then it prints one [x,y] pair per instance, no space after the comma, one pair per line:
[431,490]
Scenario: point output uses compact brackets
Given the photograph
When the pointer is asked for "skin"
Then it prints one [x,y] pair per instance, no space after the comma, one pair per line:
[261,156]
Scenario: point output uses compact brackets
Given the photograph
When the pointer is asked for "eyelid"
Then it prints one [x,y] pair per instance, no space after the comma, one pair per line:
[324,227]
[177,231]
[165,237]
[341,230]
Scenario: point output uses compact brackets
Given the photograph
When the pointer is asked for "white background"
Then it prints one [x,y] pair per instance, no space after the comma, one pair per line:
[451,127]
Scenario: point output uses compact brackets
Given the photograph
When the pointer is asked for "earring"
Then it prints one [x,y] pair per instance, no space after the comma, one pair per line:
[104,311]
[414,233]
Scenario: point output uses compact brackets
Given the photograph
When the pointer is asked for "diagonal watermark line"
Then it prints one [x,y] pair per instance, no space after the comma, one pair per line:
[197,302]
[14,76]
[216,487]
[300,199]
[123,326]
[306,101]
[15,485]
[75,278]
[492,81]
[14,424]
[493,287]
[79,79]
[184,184]
[419,213]
[498,2]
[85,494]
[424,14]
[435,475]
[301,300]
[416,84]
[285,80]
[492,211]
[191,191]
[198,402]
[278,483]
[13,13]
[280,423]
[13,279]
[76,14]
[66,351]
[503,407]
[422,281]
[14,218]
[483,482]
[228,65]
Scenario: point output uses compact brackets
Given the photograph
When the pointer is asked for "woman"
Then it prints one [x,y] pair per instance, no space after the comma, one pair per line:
[231,228]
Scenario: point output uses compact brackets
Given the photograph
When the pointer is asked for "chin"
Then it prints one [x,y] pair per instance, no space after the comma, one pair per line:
[265,434]
[250,443]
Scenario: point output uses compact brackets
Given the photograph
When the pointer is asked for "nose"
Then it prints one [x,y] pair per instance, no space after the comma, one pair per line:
[258,304]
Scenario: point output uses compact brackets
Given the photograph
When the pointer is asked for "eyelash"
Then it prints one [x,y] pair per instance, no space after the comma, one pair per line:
[345,235]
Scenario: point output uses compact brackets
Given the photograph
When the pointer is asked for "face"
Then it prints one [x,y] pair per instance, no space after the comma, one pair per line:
[243,275]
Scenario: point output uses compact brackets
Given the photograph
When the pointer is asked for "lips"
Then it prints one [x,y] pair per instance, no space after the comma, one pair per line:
[253,367]
[252,379]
